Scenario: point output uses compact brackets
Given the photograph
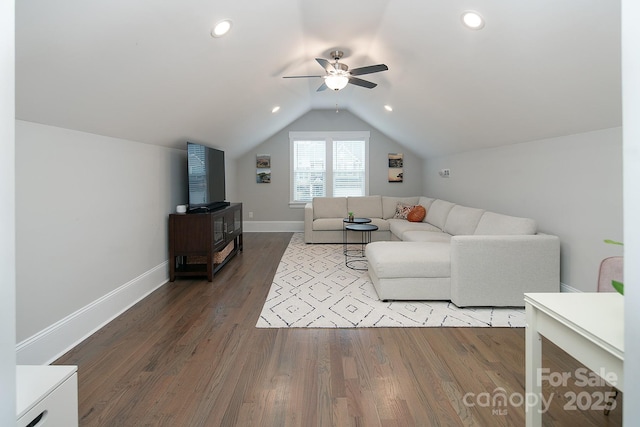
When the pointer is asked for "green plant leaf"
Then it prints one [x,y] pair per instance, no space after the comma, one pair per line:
[618,286]
[613,242]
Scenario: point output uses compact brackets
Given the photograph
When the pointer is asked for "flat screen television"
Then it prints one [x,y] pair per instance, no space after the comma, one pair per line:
[206,178]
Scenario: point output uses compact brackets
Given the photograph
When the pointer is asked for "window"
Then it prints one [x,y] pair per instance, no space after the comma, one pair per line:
[328,164]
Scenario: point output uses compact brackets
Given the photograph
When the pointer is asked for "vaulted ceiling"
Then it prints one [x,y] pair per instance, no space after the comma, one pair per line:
[149,71]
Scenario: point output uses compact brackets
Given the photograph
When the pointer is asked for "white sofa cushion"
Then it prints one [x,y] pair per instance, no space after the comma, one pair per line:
[426,203]
[330,207]
[383,225]
[425,236]
[409,259]
[389,204]
[401,226]
[462,220]
[323,224]
[497,224]
[365,207]
[438,212]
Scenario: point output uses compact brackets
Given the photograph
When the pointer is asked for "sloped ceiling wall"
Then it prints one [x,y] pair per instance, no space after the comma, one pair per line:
[149,71]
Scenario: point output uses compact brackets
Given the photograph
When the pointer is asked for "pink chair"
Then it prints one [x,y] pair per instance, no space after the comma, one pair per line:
[611,268]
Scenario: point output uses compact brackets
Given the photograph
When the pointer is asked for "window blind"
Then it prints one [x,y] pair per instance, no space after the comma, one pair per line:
[348,168]
[309,170]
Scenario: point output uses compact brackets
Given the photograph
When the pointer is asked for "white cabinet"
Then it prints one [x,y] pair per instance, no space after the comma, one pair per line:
[47,396]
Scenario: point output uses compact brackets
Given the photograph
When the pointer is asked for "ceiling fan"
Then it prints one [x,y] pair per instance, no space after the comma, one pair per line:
[338,74]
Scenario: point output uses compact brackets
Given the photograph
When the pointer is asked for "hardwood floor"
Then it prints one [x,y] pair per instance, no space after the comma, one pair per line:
[190,355]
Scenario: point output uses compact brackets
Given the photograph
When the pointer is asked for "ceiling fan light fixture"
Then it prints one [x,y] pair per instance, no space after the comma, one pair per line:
[336,81]
[338,74]
[472,20]
[221,28]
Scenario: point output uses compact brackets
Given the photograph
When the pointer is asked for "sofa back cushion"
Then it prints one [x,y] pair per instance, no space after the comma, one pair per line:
[365,207]
[389,204]
[497,224]
[330,207]
[438,212]
[425,202]
[462,220]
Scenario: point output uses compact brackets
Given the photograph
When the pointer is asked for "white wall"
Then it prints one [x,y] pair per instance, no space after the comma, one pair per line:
[631,120]
[7,217]
[231,186]
[270,202]
[91,230]
[572,186]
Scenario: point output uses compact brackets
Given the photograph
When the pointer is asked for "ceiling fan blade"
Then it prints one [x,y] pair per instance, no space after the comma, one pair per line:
[325,64]
[298,77]
[369,69]
[322,87]
[364,83]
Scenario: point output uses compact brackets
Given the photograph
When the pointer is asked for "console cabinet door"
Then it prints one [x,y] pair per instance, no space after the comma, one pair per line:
[237,220]
[234,223]
[219,235]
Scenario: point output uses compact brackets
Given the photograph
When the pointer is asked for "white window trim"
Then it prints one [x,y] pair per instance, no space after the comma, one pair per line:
[328,137]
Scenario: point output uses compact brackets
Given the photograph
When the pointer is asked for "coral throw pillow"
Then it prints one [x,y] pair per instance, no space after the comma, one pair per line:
[417,213]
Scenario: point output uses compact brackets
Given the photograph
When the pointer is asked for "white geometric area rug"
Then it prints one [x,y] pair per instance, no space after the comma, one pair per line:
[312,288]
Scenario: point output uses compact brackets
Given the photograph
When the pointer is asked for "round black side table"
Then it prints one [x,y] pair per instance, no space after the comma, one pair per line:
[354,258]
[347,221]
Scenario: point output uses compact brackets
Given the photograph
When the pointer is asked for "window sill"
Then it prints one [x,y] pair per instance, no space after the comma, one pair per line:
[297,205]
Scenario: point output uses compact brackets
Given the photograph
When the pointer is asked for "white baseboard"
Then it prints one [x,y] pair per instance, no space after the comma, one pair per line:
[567,288]
[273,226]
[55,340]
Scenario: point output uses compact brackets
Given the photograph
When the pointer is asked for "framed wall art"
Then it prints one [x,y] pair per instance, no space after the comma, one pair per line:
[263,168]
[396,167]
[263,161]
[263,176]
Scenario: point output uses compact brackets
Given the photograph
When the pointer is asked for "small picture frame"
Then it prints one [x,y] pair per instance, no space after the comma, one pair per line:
[396,160]
[263,176]
[263,161]
[396,175]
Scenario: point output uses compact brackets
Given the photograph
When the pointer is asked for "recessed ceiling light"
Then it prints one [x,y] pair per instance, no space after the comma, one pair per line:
[472,19]
[221,28]
[275,109]
[388,107]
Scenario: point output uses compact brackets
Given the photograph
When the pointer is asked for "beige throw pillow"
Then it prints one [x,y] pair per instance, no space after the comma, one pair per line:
[402,211]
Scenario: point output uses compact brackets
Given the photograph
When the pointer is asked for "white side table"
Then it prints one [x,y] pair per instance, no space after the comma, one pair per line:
[588,326]
[48,393]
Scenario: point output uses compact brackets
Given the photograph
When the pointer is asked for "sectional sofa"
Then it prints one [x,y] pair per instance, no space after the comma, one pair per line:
[467,255]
